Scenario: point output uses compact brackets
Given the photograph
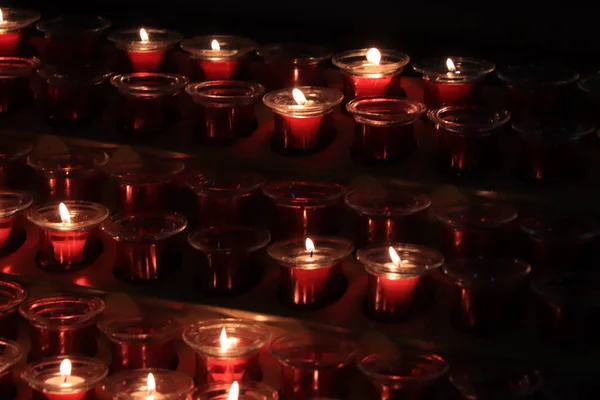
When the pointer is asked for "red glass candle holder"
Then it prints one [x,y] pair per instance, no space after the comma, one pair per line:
[475,227]
[383,129]
[10,354]
[46,381]
[226,198]
[217,57]
[228,261]
[170,385]
[225,110]
[11,296]
[306,208]
[303,119]
[15,82]
[314,366]
[226,349]
[142,342]
[12,25]
[294,64]
[311,273]
[12,165]
[62,325]
[73,39]
[496,382]
[490,294]
[454,80]
[409,375]
[145,244]
[246,391]
[12,230]
[467,137]
[148,102]
[72,245]
[552,153]
[144,49]
[72,95]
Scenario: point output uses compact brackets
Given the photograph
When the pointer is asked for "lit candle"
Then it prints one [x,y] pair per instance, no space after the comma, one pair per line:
[147,384]
[234,391]
[12,21]
[69,248]
[65,383]
[149,392]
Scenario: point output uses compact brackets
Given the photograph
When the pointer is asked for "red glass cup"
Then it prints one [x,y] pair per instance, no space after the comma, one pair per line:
[303,119]
[387,215]
[306,208]
[126,385]
[314,366]
[14,23]
[590,85]
[142,342]
[62,325]
[475,227]
[145,244]
[496,382]
[12,295]
[311,274]
[489,294]
[12,230]
[226,198]
[454,80]
[47,383]
[144,50]
[10,354]
[294,64]
[73,39]
[229,257]
[71,175]
[384,129]
[408,375]
[467,137]
[217,57]
[226,349]
[148,102]
[12,161]
[67,246]
[246,391]
[15,82]
[224,110]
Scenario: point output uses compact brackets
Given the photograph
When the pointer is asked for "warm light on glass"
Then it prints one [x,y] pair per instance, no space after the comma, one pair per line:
[144,36]
[151,384]
[299,97]
[450,65]
[65,369]
[374,56]
[394,256]
[215,45]
[226,342]
[65,216]
[234,391]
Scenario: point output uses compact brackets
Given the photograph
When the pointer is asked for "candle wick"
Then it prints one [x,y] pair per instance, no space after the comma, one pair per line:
[311,253]
[65,378]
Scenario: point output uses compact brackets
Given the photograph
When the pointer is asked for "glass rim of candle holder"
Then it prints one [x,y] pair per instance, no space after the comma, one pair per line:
[376,260]
[590,83]
[13,292]
[37,373]
[562,228]
[249,390]
[568,287]
[385,111]
[328,251]
[485,271]
[319,101]
[470,69]
[86,161]
[116,227]
[521,384]
[488,214]
[12,148]
[322,193]
[18,18]
[352,62]
[60,24]
[159,39]
[145,171]
[165,83]
[487,120]
[372,364]
[553,133]
[283,347]
[203,337]
[224,182]
[41,214]
[18,67]
[297,52]
[84,75]
[536,76]
[231,47]
[34,310]
[224,93]
[387,202]
[261,237]
[124,329]
[13,202]
[11,354]
[170,384]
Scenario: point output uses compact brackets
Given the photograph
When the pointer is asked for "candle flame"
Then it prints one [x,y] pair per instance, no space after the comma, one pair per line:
[1,16]
[374,56]
[215,45]
[144,36]
[394,256]
[450,65]
[65,215]
[234,391]
[151,384]
[299,97]
[65,368]
[226,342]
[310,245]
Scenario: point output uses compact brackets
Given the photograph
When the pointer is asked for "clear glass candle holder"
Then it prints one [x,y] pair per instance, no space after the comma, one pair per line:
[144,49]
[226,198]
[148,102]
[217,57]
[453,80]
[229,257]
[10,354]
[311,274]
[466,137]
[590,86]
[490,294]
[15,82]
[408,375]
[495,382]
[12,230]
[303,125]
[62,325]
[384,130]
[306,208]
[475,227]
[70,175]
[12,28]
[247,391]
[133,385]
[12,295]
[67,246]
[12,161]
[226,349]
[145,244]
[73,39]
[397,288]
[142,342]
[224,110]
[314,365]
[47,383]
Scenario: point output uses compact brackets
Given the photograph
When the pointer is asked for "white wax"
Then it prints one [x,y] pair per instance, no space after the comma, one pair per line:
[58,381]
[143,395]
